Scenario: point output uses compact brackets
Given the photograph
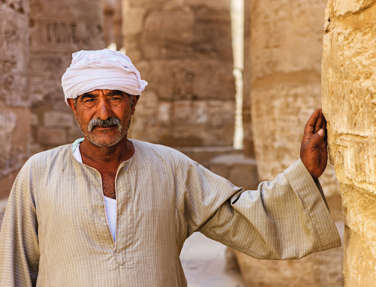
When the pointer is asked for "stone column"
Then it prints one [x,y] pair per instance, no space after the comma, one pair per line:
[57,28]
[112,23]
[15,116]
[286,40]
[349,97]
[249,149]
[183,48]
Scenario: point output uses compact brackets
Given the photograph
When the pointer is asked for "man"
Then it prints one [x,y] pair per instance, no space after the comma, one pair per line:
[113,211]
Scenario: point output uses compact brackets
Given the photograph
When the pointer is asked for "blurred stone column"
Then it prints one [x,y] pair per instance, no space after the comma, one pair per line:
[285,48]
[349,98]
[183,48]
[249,149]
[15,117]
[112,23]
[57,28]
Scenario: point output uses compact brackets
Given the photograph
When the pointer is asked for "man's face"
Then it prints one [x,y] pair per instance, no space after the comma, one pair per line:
[104,115]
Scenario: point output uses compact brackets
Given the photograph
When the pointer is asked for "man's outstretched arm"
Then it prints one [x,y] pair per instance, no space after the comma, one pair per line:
[286,217]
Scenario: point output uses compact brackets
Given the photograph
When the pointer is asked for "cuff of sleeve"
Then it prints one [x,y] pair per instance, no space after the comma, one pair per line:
[306,189]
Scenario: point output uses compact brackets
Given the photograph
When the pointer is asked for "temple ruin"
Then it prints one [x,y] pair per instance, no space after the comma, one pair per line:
[209,78]
[348,97]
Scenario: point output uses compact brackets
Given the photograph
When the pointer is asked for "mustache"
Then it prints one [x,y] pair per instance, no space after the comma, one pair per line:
[110,122]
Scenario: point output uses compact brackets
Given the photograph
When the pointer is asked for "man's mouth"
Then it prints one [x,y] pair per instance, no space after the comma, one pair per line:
[105,127]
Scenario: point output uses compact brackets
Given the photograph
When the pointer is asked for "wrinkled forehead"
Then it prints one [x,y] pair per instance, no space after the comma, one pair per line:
[105,92]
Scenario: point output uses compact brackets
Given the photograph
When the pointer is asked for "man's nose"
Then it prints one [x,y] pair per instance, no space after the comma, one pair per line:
[103,110]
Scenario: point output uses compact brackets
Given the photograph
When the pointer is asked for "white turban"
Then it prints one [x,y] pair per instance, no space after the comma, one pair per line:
[101,69]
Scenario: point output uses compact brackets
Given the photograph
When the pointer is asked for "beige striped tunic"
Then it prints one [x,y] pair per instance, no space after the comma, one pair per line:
[55,231]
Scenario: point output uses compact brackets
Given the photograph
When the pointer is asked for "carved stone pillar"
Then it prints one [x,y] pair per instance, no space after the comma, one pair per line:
[349,97]
[183,48]
[15,117]
[286,41]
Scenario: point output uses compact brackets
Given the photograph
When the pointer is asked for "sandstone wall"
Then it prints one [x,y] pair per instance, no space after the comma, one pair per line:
[248,144]
[15,116]
[285,50]
[112,23]
[57,28]
[349,93]
[183,48]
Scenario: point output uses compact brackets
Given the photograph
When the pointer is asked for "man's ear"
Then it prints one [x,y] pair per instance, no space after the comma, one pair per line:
[134,103]
[72,105]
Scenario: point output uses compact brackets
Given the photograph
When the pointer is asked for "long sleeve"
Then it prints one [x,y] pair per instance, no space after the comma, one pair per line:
[19,249]
[284,218]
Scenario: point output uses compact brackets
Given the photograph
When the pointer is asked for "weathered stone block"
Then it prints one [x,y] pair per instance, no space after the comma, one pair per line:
[245,175]
[286,36]
[58,119]
[214,4]
[212,34]
[212,81]
[205,155]
[132,43]
[74,133]
[46,92]
[48,67]
[133,20]
[280,110]
[237,168]
[190,79]
[51,136]
[170,32]
[177,52]
[220,169]
[348,93]
[14,136]
[340,8]
[285,71]
[146,3]
[14,54]
[6,183]
[3,204]
[164,112]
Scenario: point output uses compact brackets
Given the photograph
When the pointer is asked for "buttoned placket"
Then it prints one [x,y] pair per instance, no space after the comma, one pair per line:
[123,165]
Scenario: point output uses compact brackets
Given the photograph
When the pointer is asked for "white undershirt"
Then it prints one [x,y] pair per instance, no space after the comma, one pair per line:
[109,203]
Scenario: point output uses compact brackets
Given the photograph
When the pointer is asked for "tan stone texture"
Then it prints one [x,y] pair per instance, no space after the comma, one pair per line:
[348,90]
[112,23]
[14,99]
[183,49]
[14,138]
[2,209]
[14,52]
[285,89]
[248,144]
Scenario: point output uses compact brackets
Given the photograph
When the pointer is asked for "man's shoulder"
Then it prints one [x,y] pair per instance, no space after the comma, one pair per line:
[159,151]
[50,155]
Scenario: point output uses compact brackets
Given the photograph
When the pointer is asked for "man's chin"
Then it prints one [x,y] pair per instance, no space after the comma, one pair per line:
[104,142]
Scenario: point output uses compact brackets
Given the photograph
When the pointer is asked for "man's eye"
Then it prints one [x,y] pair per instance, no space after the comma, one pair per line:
[116,98]
[88,100]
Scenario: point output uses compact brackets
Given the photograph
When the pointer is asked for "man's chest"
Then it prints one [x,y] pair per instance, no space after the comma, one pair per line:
[146,208]
[108,184]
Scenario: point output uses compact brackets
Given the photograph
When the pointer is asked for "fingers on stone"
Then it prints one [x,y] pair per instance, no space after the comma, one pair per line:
[319,138]
[310,127]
